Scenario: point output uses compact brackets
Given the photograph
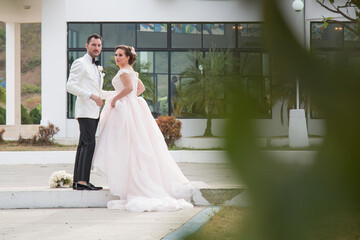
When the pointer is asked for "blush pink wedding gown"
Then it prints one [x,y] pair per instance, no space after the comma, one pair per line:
[132,155]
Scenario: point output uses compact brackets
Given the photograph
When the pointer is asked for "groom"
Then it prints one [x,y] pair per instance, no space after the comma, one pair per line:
[85,81]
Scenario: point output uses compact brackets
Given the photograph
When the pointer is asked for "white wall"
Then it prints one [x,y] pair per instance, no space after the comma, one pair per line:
[162,10]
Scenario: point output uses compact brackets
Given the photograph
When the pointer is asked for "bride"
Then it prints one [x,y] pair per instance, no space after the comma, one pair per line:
[131,152]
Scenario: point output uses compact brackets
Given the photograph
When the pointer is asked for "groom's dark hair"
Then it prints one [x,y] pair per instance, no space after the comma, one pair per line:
[94,35]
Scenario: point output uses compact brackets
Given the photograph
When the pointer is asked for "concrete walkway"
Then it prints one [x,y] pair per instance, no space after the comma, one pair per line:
[90,224]
[94,223]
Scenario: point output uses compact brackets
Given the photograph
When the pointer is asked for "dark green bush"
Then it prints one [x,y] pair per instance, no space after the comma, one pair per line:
[30,89]
[2,116]
[2,39]
[25,118]
[34,62]
[35,115]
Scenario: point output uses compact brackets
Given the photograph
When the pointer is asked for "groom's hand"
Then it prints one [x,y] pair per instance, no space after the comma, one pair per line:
[96,99]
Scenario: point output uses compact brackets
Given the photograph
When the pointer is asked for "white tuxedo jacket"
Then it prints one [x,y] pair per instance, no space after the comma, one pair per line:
[84,81]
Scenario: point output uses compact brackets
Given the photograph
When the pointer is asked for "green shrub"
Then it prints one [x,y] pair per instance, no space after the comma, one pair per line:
[2,116]
[30,89]
[170,127]
[25,118]
[35,115]
[2,39]
[34,62]
[2,95]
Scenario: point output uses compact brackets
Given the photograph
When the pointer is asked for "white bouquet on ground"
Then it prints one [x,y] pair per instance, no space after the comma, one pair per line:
[60,179]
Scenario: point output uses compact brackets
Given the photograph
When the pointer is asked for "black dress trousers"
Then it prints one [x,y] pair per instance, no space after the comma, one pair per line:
[85,149]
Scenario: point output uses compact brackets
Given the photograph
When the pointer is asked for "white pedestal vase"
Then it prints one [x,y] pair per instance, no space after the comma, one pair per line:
[298,135]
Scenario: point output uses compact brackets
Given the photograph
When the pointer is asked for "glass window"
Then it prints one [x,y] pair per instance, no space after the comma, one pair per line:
[351,39]
[219,35]
[72,56]
[118,34]
[164,80]
[179,62]
[185,35]
[329,37]
[107,60]
[250,64]
[254,71]
[153,72]
[249,35]
[152,35]
[79,32]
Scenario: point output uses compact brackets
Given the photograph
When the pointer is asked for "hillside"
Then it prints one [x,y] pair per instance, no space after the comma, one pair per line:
[30,62]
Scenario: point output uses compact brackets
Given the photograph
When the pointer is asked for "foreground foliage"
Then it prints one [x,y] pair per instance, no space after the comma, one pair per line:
[291,201]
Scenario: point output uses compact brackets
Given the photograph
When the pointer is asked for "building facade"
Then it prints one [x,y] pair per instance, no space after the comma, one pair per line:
[163,33]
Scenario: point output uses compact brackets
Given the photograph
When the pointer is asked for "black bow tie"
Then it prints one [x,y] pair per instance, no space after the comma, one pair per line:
[97,63]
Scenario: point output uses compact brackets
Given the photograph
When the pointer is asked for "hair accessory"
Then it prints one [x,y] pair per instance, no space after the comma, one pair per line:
[133,50]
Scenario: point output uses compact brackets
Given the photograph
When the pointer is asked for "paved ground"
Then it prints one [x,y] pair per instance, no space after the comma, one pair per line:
[96,223]
[89,224]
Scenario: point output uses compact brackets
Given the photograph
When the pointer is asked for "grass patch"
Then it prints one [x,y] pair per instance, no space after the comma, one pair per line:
[224,225]
[196,149]
[229,221]
[287,148]
[14,146]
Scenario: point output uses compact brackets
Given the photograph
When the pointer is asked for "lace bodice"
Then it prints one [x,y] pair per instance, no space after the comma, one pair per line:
[118,85]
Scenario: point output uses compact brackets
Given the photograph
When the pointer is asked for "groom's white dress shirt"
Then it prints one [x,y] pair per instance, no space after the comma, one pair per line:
[84,80]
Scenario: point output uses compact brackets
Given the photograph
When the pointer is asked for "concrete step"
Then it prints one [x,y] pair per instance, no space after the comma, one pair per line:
[40,197]
[67,157]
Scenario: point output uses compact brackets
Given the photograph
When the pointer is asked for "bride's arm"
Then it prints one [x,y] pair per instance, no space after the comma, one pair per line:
[128,88]
[140,88]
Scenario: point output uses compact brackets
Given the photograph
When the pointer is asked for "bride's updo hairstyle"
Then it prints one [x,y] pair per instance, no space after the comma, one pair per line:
[129,52]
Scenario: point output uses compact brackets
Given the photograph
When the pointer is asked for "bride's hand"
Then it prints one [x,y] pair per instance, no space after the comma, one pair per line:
[113,102]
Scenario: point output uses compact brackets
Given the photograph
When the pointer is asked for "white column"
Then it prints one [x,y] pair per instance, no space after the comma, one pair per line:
[13,74]
[53,64]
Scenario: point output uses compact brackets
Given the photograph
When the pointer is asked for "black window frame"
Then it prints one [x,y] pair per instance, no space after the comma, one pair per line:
[169,50]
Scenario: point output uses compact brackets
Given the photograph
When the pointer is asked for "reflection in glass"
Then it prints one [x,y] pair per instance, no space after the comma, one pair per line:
[152,35]
[79,32]
[118,34]
[72,56]
[180,61]
[153,70]
[110,69]
[331,36]
[153,27]
[249,35]
[186,35]
[351,39]
[219,35]
[254,69]
[250,64]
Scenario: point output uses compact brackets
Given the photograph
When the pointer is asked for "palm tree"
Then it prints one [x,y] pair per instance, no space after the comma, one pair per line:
[207,83]
[140,67]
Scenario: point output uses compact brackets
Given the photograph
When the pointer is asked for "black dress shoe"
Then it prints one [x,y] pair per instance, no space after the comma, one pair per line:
[88,186]
[94,188]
